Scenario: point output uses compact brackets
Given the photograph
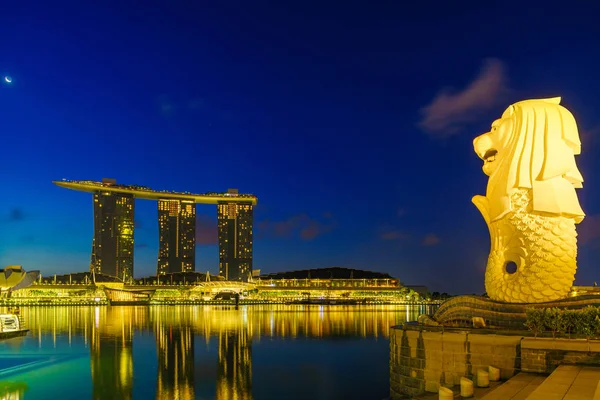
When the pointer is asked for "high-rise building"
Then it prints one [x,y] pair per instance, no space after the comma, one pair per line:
[177,236]
[235,240]
[112,246]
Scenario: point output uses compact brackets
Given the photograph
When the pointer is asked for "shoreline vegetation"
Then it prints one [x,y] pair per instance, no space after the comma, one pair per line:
[564,323]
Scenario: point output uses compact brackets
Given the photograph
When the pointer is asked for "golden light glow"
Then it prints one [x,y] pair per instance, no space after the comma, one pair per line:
[530,205]
[110,333]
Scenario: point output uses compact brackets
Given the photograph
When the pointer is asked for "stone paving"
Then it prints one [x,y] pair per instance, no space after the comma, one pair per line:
[567,382]
[519,387]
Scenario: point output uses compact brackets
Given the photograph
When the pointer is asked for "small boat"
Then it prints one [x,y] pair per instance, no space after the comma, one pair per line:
[11,326]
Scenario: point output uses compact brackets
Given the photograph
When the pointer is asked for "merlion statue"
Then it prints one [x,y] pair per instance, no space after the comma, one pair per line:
[530,205]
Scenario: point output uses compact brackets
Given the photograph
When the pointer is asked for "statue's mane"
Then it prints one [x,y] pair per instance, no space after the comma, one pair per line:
[539,155]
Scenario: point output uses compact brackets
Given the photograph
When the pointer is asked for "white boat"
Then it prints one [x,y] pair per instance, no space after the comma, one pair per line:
[9,323]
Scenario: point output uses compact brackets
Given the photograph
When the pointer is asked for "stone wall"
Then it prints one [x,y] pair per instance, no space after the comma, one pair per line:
[423,359]
[543,355]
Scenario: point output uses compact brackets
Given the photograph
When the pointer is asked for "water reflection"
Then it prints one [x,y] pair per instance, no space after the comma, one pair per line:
[189,352]
[175,346]
[234,381]
[111,342]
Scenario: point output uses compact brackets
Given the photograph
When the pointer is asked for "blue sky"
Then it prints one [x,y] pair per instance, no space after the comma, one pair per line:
[352,122]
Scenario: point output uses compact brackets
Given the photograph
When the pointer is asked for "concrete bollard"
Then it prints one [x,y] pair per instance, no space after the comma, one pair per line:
[494,374]
[483,378]
[466,387]
[445,393]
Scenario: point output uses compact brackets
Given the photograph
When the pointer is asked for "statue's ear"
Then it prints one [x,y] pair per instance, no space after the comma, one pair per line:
[509,111]
[560,133]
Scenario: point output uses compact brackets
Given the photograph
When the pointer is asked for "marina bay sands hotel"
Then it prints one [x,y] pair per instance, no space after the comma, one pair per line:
[112,246]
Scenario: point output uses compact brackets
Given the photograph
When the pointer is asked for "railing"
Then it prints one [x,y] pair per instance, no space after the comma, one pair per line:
[22,322]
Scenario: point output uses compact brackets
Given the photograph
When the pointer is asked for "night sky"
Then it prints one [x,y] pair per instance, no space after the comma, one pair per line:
[351,121]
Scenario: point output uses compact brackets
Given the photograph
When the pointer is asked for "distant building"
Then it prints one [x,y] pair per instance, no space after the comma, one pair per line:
[235,239]
[328,277]
[112,246]
[176,236]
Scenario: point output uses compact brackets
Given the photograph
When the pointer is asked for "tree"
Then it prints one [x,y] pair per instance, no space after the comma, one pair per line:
[555,320]
[535,321]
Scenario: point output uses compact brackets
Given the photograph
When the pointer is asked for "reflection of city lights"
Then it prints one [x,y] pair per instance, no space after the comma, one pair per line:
[109,334]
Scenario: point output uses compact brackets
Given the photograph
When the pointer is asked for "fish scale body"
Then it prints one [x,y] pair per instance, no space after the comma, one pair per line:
[544,248]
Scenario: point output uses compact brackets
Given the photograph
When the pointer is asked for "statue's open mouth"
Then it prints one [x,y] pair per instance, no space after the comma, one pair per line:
[490,155]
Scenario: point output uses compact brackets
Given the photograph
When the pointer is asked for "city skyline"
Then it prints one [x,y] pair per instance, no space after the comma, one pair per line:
[114,228]
[354,126]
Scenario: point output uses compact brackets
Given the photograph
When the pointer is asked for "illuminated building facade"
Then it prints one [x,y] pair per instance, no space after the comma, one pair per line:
[235,240]
[112,246]
[177,236]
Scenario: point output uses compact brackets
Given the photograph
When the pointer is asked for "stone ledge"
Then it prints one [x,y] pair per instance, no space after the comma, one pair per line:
[556,344]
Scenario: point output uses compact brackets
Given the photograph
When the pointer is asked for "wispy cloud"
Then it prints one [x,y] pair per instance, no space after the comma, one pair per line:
[166,106]
[206,230]
[589,137]
[15,215]
[300,225]
[451,110]
[393,235]
[196,104]
[431,240]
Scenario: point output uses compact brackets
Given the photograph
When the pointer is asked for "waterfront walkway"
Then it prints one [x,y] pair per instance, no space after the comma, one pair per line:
[519,387]
[567,382]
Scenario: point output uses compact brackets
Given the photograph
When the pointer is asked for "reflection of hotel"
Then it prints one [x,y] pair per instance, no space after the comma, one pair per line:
[111,353]
[175,347]
[108,333]
[234,380]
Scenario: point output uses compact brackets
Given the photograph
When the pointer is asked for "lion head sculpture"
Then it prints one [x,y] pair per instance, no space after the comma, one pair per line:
[533,146]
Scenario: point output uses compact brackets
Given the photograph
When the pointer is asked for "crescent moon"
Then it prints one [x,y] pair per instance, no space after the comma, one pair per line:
[7,79]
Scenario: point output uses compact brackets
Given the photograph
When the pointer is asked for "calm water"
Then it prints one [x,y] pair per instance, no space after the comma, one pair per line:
[202,352]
